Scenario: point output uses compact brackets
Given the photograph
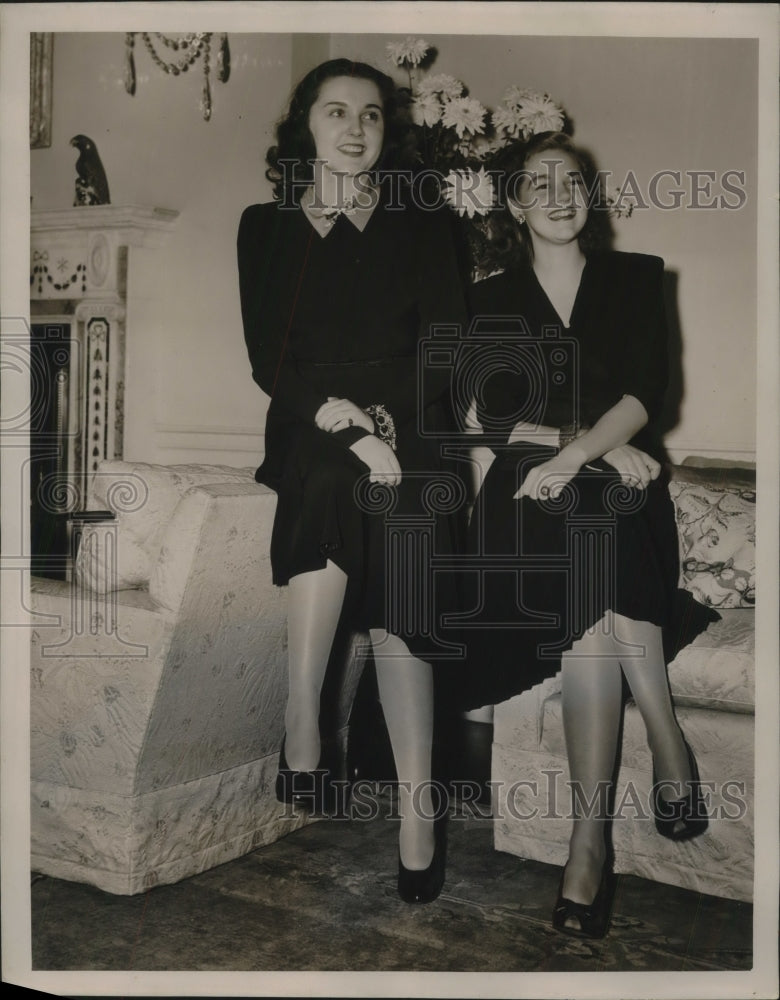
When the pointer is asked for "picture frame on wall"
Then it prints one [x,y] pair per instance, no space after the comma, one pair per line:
[41,53]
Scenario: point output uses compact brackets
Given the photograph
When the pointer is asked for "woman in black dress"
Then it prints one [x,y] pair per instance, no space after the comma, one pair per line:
[573,526]
[340,279]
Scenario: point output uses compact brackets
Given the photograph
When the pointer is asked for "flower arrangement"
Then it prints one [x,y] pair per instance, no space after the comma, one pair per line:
[457,133]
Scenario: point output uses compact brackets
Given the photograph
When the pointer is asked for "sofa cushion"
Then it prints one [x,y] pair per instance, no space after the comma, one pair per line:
[717,670]
[725,735]
[143,497]
[716,525]
[103,565]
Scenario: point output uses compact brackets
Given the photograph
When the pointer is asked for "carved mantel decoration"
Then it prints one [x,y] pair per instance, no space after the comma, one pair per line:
[79,262]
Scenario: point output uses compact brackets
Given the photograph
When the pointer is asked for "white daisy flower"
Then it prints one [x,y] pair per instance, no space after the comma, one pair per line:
[526,113]
[464,114]
[426,109]
[410,52]
[469,192]
[440,83]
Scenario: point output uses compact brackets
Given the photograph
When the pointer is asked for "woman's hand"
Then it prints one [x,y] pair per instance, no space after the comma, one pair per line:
[337,414]
[545,481]
[380,459]
[635,467]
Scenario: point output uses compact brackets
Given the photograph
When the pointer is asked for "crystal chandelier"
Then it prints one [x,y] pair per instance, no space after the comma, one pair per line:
[181,52]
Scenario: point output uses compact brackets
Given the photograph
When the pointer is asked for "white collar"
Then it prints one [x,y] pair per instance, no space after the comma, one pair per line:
[323,218]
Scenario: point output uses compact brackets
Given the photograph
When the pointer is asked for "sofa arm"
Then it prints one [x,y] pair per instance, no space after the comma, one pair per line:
[217,533]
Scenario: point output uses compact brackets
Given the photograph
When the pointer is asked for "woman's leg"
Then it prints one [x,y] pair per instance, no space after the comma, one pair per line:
[645,669]
[314,609]
[591,696]
[406,692]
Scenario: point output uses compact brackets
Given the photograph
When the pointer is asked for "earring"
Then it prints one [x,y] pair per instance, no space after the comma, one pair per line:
[520,219]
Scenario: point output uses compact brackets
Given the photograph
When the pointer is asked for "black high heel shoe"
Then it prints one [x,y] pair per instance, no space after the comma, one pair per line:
[683,818]
[592,919]
[424,886]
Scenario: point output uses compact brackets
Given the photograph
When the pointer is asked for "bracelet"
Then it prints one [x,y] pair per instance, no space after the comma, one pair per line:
[383,422]
[569,433]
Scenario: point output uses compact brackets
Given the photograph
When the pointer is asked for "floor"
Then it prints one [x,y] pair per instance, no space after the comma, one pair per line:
[276,909]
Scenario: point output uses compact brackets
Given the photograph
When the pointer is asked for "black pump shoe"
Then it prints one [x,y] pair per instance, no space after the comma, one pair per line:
[424,886]
[683,818]
[585,920]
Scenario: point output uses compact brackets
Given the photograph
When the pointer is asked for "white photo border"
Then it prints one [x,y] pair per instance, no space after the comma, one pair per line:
[614,19]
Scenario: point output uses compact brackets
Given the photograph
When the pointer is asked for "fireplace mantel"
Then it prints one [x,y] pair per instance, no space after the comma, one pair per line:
[128,217]
[140,219]
[76,253]
[87,276]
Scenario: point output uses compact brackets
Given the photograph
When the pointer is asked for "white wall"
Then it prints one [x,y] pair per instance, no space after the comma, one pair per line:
[190,395]
[640,104]
[645,105]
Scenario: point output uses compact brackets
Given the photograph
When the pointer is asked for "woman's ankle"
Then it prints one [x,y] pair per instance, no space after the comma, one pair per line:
[585,864]
[416,842]
[302,740]
[671,767]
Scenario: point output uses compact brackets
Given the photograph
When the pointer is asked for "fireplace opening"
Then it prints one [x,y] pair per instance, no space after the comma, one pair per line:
[53,493]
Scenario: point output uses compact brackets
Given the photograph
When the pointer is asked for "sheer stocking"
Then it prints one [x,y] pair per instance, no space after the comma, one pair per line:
[591,704]
[406,692]
[314,609]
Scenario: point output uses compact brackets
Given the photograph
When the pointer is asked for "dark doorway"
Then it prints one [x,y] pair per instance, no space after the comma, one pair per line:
[51,493]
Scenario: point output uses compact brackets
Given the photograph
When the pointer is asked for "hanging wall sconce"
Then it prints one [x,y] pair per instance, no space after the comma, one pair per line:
[191,46]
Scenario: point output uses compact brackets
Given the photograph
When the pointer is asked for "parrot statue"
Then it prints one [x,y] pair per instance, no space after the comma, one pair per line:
[91,183]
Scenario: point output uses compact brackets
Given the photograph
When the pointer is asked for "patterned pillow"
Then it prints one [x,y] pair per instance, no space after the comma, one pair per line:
[716,528]
[102,565]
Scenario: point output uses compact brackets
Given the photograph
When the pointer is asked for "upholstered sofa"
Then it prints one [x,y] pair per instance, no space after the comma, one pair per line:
[158,683]
[712,684]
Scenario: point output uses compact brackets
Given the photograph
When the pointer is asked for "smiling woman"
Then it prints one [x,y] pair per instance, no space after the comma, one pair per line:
[575,505]
[347,125]
[336,292]
[320,106]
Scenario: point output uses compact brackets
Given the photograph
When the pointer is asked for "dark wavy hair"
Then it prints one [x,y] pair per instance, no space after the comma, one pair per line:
[508,244]
[294,141]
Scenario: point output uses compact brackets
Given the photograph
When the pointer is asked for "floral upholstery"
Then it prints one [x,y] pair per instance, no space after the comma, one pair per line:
[717,535]
[712,683]
[717,670]
[143,498]
[531,804]
[157,714]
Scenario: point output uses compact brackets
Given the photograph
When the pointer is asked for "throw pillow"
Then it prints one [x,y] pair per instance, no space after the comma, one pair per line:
[717,533]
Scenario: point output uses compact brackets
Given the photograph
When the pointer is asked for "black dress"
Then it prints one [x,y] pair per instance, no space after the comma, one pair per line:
[346,315]
[549,570]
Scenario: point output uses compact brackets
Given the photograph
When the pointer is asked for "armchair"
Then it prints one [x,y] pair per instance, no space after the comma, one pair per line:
[158,683]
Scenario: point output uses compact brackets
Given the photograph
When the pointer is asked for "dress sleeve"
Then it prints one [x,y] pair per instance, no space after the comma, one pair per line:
[644,363]
[268,266]
[440,303]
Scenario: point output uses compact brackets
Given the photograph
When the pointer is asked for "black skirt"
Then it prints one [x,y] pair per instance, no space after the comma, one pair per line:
[389,541]
[541,573]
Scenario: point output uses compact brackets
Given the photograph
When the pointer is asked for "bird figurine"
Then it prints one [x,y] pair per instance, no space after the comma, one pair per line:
[91,183]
